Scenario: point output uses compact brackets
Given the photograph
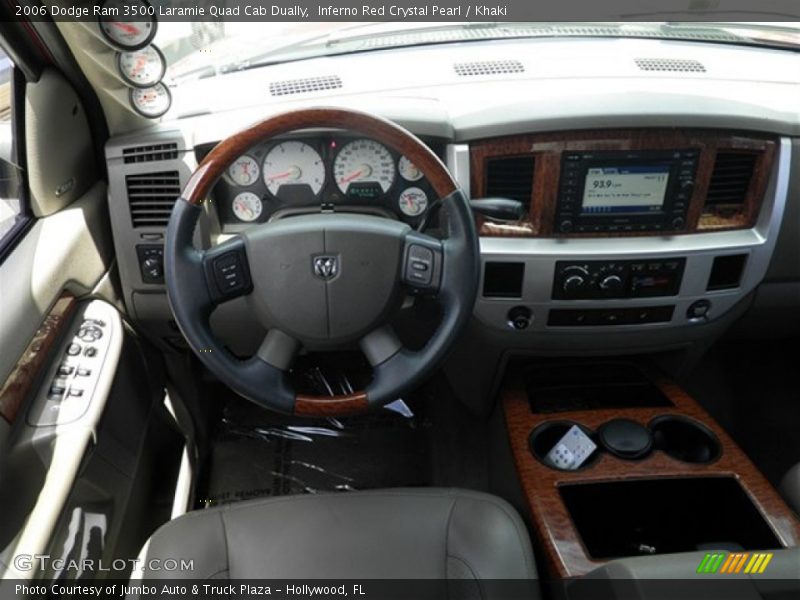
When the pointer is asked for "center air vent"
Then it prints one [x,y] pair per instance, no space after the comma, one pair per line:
[151,197]
[488,67]
[673,65]
[304,86]
[140,154]
[730,178]
[510,177]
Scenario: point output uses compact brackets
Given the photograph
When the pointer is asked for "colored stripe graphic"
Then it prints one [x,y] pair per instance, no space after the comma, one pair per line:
[734,562]
[767,558]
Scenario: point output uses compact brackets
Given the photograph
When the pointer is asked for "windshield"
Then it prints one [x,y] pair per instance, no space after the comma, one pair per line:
[206,49]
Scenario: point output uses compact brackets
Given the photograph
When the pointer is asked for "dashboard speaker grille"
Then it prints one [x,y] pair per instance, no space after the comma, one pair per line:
[151,197]
[150,153]
[673,65]
[305,86]
[510,177]
[730,178]
[488,67]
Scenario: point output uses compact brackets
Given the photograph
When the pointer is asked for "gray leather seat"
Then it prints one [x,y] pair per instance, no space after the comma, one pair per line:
[790,487]
[392,534]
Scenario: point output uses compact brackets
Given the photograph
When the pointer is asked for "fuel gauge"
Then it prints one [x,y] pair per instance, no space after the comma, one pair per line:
[244,171]
[408,170]
[247,206]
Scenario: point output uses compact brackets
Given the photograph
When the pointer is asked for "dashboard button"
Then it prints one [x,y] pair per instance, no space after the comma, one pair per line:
[56,391]
[90,333]
[73,349]
[65,370]
[75,392]
[90,351]
[83,372]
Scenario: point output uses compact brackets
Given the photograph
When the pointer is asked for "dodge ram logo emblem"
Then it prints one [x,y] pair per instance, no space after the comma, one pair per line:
[326,267]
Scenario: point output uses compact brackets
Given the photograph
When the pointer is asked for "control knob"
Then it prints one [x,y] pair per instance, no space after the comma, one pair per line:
[611,283]
[153,268]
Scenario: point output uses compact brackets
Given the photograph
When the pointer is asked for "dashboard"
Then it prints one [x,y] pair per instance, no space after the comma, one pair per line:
[329,172]
[689,176]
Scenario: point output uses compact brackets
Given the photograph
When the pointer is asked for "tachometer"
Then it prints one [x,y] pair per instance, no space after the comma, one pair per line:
[247,206]
[363,162]
[293,163]
[408,170]
[142,68]
[151,102]
[244,171]
[413,202]
[129,35]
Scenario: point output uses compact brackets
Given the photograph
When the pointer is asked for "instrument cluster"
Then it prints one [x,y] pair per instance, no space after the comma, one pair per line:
[335,172]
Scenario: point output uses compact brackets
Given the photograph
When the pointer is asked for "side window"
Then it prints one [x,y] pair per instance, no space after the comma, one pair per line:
[11,208]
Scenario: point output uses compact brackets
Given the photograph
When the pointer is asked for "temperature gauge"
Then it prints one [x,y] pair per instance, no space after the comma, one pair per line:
[129,35]
[413,202]
[244,171]
[142,68]
[247,206]
[151,102]
[408,170]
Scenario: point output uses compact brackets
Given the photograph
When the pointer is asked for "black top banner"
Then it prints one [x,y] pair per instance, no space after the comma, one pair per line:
[411,10]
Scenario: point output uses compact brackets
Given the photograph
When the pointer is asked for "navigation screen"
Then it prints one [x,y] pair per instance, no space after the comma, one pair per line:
[628,189]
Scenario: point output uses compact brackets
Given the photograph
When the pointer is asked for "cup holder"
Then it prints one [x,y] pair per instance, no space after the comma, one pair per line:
[545,436]
[685,439]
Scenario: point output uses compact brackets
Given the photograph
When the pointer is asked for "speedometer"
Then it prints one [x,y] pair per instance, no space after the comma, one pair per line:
[293,163]
[363,162]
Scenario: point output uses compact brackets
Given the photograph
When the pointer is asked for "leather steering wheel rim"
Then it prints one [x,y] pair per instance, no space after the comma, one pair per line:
[193,293]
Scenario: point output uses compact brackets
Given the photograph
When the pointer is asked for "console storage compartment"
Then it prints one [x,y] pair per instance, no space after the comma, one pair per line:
[666,515]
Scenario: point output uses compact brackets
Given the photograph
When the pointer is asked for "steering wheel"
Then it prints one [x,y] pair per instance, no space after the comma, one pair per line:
[325,280]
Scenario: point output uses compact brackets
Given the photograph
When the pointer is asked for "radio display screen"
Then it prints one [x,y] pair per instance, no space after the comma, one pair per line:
[625,189]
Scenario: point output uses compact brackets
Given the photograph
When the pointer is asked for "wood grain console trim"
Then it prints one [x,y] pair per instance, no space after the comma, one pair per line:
[563,549]
[545,150]
[321,406]
[19,384]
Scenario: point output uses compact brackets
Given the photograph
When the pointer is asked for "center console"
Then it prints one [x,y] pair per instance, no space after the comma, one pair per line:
[616,461]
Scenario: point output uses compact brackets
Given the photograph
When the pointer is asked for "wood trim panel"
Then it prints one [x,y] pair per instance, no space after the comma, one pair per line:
[320,406]
[563,549]
[545,149]
[19,384]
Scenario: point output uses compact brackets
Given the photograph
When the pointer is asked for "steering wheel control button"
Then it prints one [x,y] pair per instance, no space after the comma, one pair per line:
[421,270]
[230,274]
[73,349]
[698,310]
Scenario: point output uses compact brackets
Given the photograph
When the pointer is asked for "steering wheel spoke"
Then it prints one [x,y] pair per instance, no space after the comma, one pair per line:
[279,349]
[227,271]
[380,345]
[423,262]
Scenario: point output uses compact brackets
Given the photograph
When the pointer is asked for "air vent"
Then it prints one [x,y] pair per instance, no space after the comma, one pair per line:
[488,67]
[304,86]
[672,65]
[151,197]
[510,177]
[141,154]
[730,178]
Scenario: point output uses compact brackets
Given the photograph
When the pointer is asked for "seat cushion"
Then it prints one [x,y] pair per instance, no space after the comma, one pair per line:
[392,534]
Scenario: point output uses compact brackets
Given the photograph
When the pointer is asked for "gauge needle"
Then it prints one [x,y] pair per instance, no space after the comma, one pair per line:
[125,27]
[352,176]
[244,206]
[293,171]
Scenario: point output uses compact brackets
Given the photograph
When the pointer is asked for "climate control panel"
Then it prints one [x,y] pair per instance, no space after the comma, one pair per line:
[590,280]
